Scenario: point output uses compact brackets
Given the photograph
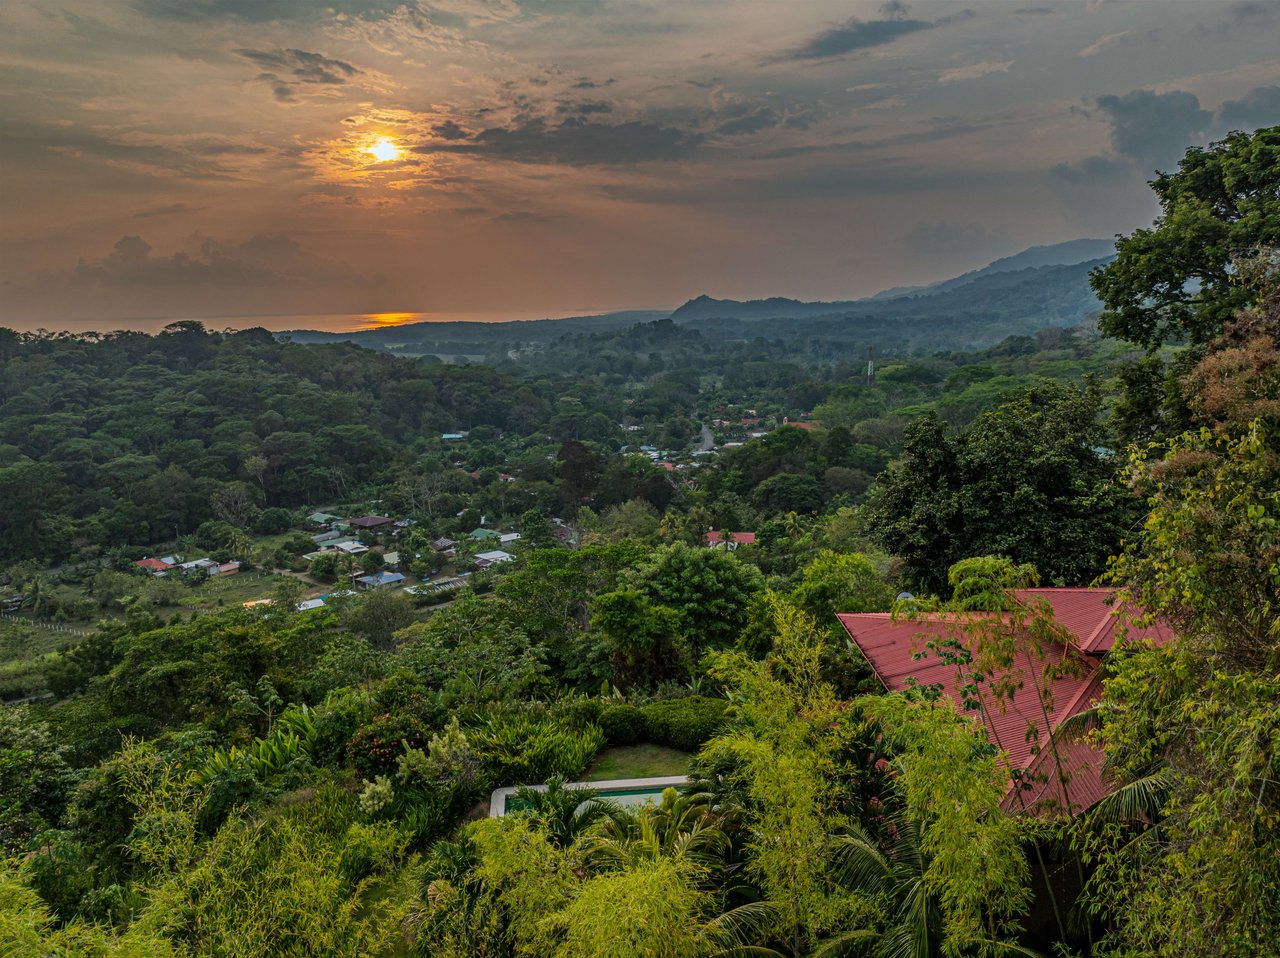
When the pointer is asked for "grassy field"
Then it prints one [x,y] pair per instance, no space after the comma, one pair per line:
[637,761]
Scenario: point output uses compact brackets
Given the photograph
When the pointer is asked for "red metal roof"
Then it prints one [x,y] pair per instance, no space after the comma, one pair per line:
[153,565]
[715,537]
[1094,618]
[1015,723]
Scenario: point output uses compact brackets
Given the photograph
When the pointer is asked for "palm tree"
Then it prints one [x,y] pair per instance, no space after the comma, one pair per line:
[566,813]
[895,870]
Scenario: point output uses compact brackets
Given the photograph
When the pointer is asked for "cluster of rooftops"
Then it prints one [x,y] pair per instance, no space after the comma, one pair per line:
[1055,772]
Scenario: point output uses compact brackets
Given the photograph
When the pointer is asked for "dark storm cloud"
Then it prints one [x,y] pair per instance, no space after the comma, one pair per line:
[263,261]
[288,71]
[1258,108]
[578,142]
[1154,129]
[266,11]
[855,34]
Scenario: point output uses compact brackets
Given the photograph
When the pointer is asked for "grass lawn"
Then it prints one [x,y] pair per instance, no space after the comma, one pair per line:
[637,761]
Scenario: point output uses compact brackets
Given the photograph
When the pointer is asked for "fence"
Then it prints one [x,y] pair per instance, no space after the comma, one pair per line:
[37,624]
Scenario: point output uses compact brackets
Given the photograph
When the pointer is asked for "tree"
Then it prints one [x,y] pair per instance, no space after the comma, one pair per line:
[708,588]
[1174,282]
[643,639]
[1188,862]
[474,650]
[1027,480]
[788,493]
[378,615]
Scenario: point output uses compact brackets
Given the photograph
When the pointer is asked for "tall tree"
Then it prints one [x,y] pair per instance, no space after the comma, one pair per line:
[1175,281]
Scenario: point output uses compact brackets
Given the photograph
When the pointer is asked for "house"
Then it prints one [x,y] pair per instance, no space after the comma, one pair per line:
[371,522]
[801,424]
[379,579]
[391,558]
[508,537]
[729,541]
[327,536]
[482,534]
[443,544]
[486,559]
[154,566]
[351,547]
[228,568]
[1091,626]
[322,518]
[207,566]
[306,605]
[453,436]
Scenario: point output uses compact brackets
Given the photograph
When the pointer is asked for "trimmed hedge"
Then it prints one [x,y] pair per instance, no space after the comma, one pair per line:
[623,724]
[686,724]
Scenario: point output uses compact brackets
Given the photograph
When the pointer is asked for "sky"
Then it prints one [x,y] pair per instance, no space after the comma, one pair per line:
[175,158]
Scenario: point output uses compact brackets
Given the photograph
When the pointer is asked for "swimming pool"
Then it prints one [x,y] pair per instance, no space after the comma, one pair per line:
[630,792]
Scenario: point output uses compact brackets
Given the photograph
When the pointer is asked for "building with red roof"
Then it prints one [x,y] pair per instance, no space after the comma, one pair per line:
[1041,689]
[153,565]
[729,540]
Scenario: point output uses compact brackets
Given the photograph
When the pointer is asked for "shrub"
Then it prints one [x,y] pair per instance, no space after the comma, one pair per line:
[336,721]
[523,750]
[367,849]
[376,745]
[623,724]
[579,711]
[686,723]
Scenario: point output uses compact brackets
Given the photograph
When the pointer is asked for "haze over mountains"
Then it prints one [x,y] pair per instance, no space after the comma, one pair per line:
[1040,287]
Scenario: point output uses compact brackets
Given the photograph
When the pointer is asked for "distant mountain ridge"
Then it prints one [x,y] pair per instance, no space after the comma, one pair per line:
[1029,265]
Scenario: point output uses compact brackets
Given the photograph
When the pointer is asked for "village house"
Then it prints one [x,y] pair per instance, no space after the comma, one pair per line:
[371,522]
[379,579]
[486,559]
[729,541]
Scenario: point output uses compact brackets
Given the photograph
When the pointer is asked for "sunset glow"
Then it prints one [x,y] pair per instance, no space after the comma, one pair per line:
[384,150]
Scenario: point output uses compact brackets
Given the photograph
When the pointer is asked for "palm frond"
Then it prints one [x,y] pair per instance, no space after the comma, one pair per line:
[1140,800]
[859,942]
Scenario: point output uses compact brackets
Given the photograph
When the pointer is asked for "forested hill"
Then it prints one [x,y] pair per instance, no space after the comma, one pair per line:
[131,438]
[1033,296]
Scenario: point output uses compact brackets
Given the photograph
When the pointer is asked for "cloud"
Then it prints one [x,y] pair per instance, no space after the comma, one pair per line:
[1258,108]
[975,70]
[289,71]
[1093,6]
[169,209]
[261,262]
[855,34]
[577,142]
[584,108]
[1093,170]
[521,216]
[1123,38]
[1154,129]
[744,119]
[266,11]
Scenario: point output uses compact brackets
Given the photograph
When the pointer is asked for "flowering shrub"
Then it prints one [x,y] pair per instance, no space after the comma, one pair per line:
[378,744]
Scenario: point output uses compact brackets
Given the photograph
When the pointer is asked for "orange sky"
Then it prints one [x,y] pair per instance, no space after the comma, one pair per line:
[223,157]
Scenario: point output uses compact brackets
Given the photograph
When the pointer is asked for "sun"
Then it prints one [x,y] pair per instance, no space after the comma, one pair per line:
[384,150]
